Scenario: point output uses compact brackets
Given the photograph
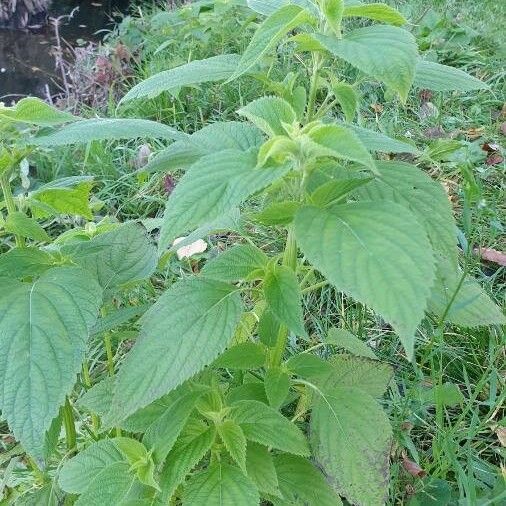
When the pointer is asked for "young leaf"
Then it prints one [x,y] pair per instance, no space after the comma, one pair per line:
[192,323]
[44,329]
[88,130]
[99,397]
[23,262]
[437,77]
[334,191]
[346,340]
[284,298]
[266,426]
[347,98]
[333,11]
[212,186]
[247,355]
[377,12]
[277,385]
[220,485]
[386,53]
[269,33]
[234,440]
[20,224]
[236,263]
[269,114]
[279,149]
[268,328]
[366,248]
[278,213]
[340,142]
[216,68]
[309,366]
[260,468]
[35,111]
[351,438]
[300,482]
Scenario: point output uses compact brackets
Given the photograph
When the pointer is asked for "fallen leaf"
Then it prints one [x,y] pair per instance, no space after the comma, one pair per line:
[412,468]
[491,255]
[143,155]
[191,249]
[474,133]
[169,184]
[501,435]
[494,159]
[434,133]
[428,110]
[377,108]
[490,147]
[425,95]
[503,128]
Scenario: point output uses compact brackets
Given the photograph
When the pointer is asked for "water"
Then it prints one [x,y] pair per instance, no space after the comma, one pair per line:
[26,64]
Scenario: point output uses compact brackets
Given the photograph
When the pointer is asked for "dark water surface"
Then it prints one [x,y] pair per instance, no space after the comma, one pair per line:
[26,63]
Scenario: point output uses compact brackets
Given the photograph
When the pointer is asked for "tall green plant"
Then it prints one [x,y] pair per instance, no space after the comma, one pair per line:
[208,407]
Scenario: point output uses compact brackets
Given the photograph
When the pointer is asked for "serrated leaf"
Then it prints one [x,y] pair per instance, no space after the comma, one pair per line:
[22,262]
[277,213]
[216,68]
[19,223]
[386,53]
[110,129]
[267,7]
[260,468]
[212,186]
[266,426]
[333,11]
[351,438]
[347,98]
[277,385]
[118,317]
[426,198]
[35,111]
[279,149]
[437,77]
[333,191]
[377,12]
[300,482]
[220,485]
[283,296]
[122,255]
[268,328]
[366,248]
[470,306]
[236,263]
[234,440]
[339,142]
[246,355]
[192,323]
[344,339]
[376,141]
[186,454]
[269,114]
[99,397]
[269,33]
[309,366]
[44,328]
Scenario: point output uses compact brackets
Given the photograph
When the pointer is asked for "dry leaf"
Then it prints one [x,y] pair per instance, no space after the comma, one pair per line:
[191,249]
[413,468]
[491,255]
[490,147]
[377,108]
[428,110]
[503,128]
[474,133]
[494,159]
[501,435]
[434,133]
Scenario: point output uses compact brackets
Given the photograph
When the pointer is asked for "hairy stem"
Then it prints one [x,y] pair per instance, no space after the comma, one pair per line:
[69,424]
[10,204]
[313,87]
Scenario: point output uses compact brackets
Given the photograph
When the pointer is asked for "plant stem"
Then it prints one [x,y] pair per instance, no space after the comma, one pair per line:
[87,383]
[10,204]
[70,428]
[108,351]
[313,88]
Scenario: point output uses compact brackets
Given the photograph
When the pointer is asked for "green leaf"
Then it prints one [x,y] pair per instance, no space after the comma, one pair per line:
[186,454]
[266,426]
[122,255]
[247,392]
[333,11]
[375,141]
[464,304]
[110,129]
[386,53]
[247,355]
[367,248]
[213,186]
[340,142]
[23,262]
[269,114]
[309,366]
[347,98]
[118,317]
[377,12]
[351,439]
[277,385]
[333,191]
[284,298]
[426,198]
[234,440]
[300,482]
[216,68]
[278,213]
[220,485]
[19,223]
[268,328]
[437,77]
[267,7]
[260,468]
[279,149]
[99,397]
[447,394]
[192,323]
[35,111]
[346,340]
[236,263]
[44,327]
[269,33]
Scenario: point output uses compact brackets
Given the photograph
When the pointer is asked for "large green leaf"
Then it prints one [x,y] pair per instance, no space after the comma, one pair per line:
[220,485]
[437,77]
[260,468]
[268,7]
[269,114]
[376,252]
[266,426]
[44,328]
[351,439]
[20,224]
[234,440]
[343,338]
[386,53]
[269,33]
[212,186]
[35,111]
[22,262]
[187,328]
[377,12]
[348,99]
[216,68]
[376,141]
[88,130]
[424,197]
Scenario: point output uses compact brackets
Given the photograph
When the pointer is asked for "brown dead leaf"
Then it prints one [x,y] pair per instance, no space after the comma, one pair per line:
[434,133]
[413,468]
[377,108]
[428,110]
[494,159]
[501,435]
[191,249]
[491,255]
[490,147]
[474,133]
[169,183]
[425,95]
[502,128]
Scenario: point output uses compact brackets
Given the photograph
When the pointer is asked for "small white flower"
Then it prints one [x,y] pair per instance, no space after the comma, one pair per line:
[191,249]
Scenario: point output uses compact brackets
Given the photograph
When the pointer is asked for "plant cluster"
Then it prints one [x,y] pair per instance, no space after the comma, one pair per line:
[208,407]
